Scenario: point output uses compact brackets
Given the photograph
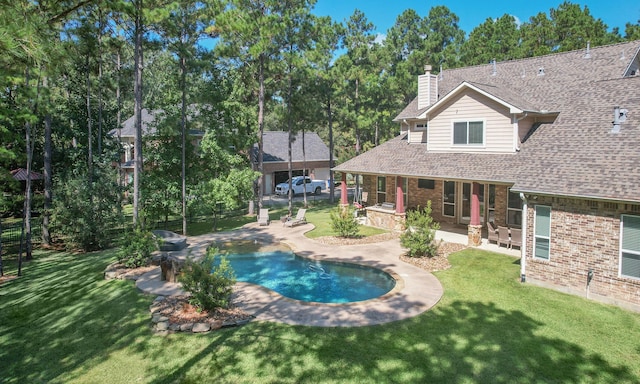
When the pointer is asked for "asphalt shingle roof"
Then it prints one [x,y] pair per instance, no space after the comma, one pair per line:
[577,155]
[276,149]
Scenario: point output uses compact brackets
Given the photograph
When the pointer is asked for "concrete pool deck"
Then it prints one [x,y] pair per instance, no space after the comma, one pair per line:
[416,290]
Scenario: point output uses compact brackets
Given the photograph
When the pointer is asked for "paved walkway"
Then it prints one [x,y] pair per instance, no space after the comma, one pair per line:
[416,290]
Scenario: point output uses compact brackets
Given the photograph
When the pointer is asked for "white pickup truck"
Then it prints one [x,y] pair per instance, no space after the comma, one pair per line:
[298,184]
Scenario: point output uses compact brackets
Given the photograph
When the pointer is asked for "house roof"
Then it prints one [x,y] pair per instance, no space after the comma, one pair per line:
[576,155]
[148,127]
[20,174]
[276,149]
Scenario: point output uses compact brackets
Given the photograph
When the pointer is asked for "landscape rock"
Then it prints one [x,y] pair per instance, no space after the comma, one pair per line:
[201,327]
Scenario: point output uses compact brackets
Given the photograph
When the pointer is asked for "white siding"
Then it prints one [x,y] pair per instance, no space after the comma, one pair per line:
[470,106]
[418,135]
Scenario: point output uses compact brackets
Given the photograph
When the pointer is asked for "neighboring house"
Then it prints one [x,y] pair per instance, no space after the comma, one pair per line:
[275,162]
[126,136]
[549,145]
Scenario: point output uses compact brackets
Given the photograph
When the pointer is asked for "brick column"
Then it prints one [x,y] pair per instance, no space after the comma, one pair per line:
[475,226]
[399,196]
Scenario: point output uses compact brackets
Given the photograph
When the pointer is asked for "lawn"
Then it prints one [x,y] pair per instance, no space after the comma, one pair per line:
[62,323]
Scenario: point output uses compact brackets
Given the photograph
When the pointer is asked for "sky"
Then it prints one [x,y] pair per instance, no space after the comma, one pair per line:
[383,13]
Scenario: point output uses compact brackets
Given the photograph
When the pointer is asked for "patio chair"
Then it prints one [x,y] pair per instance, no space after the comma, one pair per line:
[263,216]
[503,236]
[492,232]
[516,237]
[299,219]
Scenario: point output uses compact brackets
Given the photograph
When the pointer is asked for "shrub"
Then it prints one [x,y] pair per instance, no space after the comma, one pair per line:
[420,233]
[210,285]
[136,248]
[344,222]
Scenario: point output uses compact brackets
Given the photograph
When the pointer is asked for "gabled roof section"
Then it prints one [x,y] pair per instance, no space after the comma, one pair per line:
[538,83]
[507,99]
[276,149]
[634,66]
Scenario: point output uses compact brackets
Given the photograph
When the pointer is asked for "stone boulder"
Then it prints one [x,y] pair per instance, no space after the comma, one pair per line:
[169,241]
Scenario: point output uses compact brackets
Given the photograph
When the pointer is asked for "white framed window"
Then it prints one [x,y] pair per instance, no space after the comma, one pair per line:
[542,232]
[630,246]
[449,198]
[514,209]
[468,133]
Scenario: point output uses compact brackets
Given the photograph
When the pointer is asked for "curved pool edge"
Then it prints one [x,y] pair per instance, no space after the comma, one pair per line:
[420,290]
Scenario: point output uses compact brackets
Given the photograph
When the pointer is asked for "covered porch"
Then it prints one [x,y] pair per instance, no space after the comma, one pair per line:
[462,207]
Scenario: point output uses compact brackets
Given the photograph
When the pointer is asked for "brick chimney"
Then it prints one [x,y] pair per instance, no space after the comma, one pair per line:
[427,88]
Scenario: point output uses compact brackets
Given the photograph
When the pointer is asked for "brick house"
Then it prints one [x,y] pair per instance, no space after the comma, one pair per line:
[549,145]
[275,161]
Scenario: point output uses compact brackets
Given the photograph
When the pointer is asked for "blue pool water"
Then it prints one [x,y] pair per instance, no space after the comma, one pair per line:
[309,280]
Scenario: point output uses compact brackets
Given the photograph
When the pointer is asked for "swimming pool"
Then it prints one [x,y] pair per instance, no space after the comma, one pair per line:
[309,280]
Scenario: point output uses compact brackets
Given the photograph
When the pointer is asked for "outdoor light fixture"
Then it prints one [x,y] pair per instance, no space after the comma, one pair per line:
[589,276]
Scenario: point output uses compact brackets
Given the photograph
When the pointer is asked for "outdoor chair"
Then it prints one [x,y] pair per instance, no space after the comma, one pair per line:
[492,232]
[299,219]
[503,236]
[263,216]
[516,237]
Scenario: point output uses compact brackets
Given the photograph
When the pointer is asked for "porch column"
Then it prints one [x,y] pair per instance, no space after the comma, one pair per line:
[343,190]
[474,231]
[475,204]
[399,195]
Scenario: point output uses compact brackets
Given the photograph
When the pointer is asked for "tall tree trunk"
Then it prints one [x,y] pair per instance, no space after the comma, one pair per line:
[1,266]
[119,116]
[137,90]
[27,193]
[261,64]
[100,27]
[183,126]
[356,195]
[89,129]
[48,152]
[332,187]
[289,145]
[304,170]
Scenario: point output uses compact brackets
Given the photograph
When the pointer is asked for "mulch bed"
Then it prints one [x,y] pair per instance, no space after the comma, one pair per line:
[180,311]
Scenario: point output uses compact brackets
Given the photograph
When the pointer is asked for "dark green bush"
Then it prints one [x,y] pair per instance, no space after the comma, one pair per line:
[344,222]
[136,248]
[210,285]
[420,234]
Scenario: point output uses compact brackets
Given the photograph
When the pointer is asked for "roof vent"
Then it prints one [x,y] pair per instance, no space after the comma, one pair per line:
[541,71]
[622,57]
[587,54]
[619,117]
[494,71]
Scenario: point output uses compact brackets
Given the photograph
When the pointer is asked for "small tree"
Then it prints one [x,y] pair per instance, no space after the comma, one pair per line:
[420,234]
[136,248]
[344,222]
[210,285]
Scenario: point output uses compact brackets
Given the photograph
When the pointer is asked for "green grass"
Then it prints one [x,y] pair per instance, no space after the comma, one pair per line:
[62,323]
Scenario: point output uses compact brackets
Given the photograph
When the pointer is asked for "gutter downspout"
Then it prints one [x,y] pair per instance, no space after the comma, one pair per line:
[523,249]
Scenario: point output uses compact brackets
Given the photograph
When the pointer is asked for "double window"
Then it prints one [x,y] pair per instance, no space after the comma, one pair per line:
[468,133]
[630,246]
[542,235]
